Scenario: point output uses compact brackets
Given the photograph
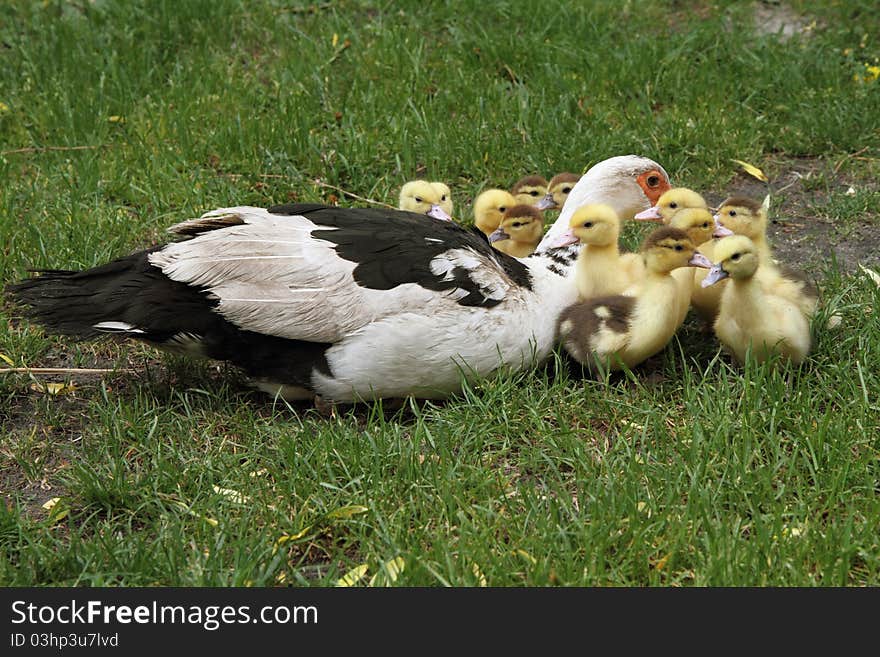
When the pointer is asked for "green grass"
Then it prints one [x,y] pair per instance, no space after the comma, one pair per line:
[690,472]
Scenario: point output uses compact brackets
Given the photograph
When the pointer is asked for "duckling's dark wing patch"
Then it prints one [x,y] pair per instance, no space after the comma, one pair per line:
[582,320]
[583,325]
[808,285]
[394,247]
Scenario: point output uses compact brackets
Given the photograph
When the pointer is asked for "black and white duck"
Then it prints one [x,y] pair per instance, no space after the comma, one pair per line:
[345,304]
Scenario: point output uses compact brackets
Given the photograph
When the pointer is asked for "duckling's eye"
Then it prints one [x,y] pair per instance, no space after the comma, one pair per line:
[534,192]
[679,247]
[443,198]
[673,205]
[418,199]
[566,190]
[735,256]
[589,224]
[732,213]
[706,225]
[502,209]
[653,181]
[516,225]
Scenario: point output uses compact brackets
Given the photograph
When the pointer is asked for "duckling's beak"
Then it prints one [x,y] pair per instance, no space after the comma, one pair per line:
[721,231]
[438,213]
[699,260]
[498,235]
[546,203]
[651,214]
[716,273]
[566,238]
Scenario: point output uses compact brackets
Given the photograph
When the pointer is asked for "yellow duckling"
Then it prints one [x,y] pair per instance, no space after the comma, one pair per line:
[558,189]
[489,209]
[745,216]
[520,231]
[601,269]
[528,190]
[430,198]
[700,226]
[625,329]
[748,217]
[671,202]
[753,316]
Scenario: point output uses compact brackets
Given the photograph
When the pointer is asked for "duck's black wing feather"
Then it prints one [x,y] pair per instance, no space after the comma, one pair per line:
[393,247]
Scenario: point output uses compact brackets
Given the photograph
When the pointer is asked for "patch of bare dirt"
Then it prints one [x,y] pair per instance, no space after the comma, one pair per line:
[780,20]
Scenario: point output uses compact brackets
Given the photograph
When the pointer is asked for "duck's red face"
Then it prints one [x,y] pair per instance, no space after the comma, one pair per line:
[653,183]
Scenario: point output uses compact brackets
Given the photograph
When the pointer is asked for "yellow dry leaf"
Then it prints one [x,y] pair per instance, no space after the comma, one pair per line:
[6,359]
[232,495]
[208,520]
[116,119]
[57,508]
[481,578]
[873,275]
[335,40]
[286,538]
[752,170]
[525,555]
[53,388]
[347,511]
[394,567]
[388,572]
[4,108]
[661,562]
[281,577]
[353,576]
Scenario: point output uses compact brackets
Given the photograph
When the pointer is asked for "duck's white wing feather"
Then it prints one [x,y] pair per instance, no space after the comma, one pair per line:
[315,273]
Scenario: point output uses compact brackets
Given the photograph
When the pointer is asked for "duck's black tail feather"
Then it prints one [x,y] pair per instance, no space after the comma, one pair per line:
[128,292]
[131,298]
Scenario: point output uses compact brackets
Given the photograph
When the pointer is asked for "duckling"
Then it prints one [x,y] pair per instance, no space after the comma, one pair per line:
[745,216]
[520,231]
[671,202]
[705,300]
[600,268]
[430,198]
[558,190]
[700,226]
[748,217]
[624,330]
[528,190]
[753,315]
[489,209]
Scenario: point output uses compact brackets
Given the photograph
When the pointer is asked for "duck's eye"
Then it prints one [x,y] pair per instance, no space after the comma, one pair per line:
[589,224]
[678,247]
[732,213]
[566,190]
[443,198]
[534,192]
[673,205]
[516,225]
[706,225]
[418,199]
[735,256]
[653,181]
[502,209]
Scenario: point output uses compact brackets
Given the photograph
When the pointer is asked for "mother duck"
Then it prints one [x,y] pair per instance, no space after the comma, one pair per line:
[344,304]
